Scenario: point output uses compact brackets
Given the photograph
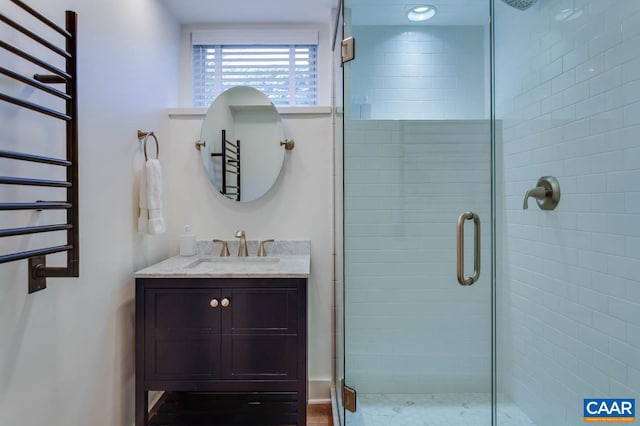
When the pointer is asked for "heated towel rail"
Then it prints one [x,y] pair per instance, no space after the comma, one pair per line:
[53,75]
[230,156]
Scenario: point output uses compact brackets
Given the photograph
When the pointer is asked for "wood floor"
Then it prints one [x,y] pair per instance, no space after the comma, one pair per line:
[319,415]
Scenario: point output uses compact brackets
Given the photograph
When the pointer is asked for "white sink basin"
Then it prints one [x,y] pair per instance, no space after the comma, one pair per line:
[249,260]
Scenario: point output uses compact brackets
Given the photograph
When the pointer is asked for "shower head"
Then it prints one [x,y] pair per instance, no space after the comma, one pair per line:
[520,4]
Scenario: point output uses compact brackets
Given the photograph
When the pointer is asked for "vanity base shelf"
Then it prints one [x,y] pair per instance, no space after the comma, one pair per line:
[211,408]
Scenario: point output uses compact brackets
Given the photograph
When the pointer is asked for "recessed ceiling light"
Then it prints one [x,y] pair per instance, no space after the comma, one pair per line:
[421,13]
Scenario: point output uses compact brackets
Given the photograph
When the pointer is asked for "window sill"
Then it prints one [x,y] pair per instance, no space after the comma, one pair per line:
[285,111]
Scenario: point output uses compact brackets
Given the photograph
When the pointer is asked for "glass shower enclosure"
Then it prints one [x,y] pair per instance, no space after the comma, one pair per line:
[455,303]
[418,214]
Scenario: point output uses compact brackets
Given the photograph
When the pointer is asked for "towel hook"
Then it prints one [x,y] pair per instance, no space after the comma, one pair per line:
[144,136]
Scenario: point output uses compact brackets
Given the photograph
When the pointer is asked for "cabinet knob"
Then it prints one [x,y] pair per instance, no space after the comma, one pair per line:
[225,302]
[214,303]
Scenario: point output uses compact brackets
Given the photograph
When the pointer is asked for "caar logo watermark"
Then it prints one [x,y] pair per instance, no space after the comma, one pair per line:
[609,410]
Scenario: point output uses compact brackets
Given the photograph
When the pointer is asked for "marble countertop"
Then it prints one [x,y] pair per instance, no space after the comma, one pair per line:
[285,259]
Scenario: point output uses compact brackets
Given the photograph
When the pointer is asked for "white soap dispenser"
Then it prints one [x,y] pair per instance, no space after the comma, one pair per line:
[187,242]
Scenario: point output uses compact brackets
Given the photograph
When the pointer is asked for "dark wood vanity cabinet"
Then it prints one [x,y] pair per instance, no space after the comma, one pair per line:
[235,335]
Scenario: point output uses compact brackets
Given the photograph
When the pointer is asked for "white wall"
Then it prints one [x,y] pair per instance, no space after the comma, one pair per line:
[298,207]
[568,93]
[67,354]
[419,73]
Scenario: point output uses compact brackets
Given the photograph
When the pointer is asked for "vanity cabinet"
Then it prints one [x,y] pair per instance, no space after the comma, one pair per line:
[223,335]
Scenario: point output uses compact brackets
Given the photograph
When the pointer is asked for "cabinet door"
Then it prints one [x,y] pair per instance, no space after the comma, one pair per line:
[260,311]
[182,334]
[260,334]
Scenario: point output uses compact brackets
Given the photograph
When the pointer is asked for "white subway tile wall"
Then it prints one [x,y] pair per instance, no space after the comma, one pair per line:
[410,328]
[568,92]
[419,73]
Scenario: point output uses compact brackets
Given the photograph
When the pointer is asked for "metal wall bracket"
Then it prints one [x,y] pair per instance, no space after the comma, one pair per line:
[349,398]
[37,283]
[288,144]
[348,49]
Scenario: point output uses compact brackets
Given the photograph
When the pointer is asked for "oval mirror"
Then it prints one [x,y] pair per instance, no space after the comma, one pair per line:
[241,152]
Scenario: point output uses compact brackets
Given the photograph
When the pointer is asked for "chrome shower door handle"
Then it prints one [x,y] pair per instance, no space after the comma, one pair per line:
[467,281]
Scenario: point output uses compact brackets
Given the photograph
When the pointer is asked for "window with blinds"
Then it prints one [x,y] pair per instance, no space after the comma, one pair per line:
[286,73]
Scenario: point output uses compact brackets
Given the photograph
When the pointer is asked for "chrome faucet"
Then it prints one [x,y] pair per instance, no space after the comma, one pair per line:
[242,247]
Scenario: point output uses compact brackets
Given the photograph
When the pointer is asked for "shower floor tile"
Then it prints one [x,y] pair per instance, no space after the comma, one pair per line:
[472,409]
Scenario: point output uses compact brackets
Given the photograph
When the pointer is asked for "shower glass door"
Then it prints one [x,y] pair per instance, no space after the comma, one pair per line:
[418,170]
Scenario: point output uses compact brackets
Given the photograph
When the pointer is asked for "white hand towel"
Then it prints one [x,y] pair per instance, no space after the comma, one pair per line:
[143,218]
[154,197]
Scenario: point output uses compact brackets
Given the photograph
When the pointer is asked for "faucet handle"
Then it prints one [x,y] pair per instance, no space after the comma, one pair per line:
[261,250]
[539,193]
[225,248]
[546,192]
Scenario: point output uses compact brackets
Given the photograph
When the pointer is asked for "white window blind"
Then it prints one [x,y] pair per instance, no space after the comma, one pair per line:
[286,73]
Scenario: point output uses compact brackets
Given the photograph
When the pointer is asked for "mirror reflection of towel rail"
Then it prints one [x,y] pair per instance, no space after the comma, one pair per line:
[230,162]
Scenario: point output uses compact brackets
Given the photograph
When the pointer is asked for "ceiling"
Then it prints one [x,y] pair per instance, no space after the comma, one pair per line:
[251,11]
[394,12]
[363,12]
